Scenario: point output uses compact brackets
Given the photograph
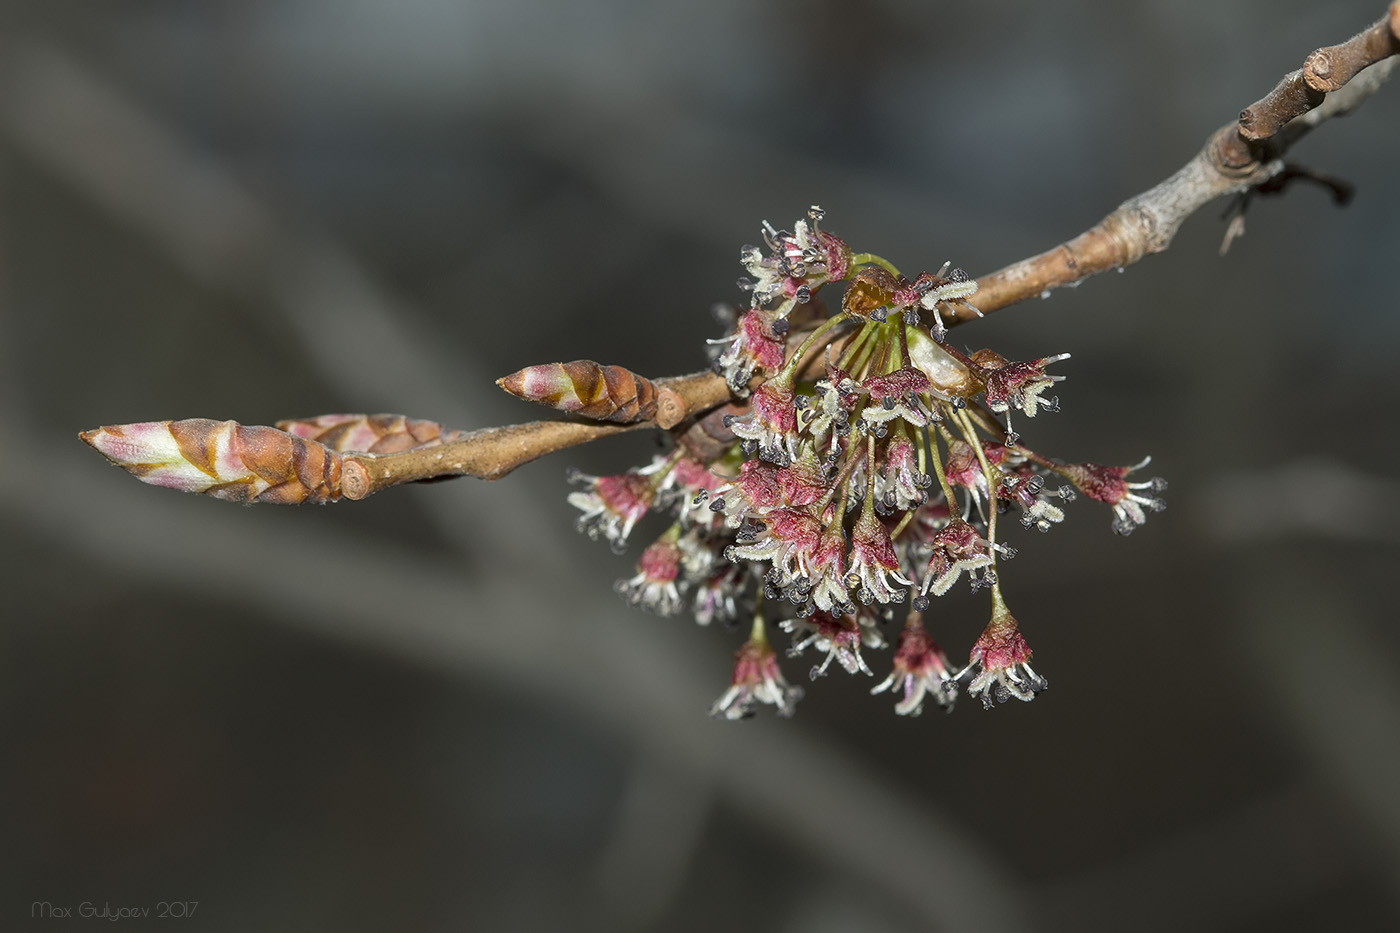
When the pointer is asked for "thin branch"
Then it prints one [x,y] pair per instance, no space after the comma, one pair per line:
[1236,158]
[493,452]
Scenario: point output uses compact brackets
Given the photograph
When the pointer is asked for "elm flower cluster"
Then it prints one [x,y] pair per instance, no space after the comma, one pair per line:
[862,468]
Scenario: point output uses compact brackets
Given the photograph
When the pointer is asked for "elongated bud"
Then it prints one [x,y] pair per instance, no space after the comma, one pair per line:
[371,434]
[222,459]
[603,393]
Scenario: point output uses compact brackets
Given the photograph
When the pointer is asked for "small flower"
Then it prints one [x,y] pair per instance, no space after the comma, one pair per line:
[949,286]
[963,468]
[829,418]
[755,493]
[897,396]
[920,670]
[1106,484]
[799,263]
[1017,385]
[803,481]
[771,428]
[756,680]
[787,537]
[753,347]
[654,586]
[1023,487]
[827,573]
[839,635]
[873,561]
[718,595]
[902,486]
[688,488]
[611,505]
[1001,660]
[957,548]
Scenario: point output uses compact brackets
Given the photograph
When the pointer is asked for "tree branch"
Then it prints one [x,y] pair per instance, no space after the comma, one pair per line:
[1238,157]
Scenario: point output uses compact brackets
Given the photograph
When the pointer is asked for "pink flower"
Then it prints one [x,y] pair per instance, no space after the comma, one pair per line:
[718,596]
[756,680]
[1106,484]
[686,488]
[964,469]
[611,505]
[920,670]
[1024,487]
[654,586]
[771,427]
[902,486]
[1017,385]
[839,635]
[948,287]
[804,480]
[786,537]
[754,346]
[957,548]
[874,562]
[798,263]
[826,570]
[1001,659]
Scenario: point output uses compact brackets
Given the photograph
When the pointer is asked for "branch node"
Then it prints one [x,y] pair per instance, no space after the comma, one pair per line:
[1317,71]
[355,481]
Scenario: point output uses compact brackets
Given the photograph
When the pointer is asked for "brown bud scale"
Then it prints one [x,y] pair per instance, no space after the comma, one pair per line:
[374,434]
[593,390]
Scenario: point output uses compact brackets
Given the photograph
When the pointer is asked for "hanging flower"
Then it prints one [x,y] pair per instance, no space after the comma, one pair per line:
[755,346]
[797,264]
[757,680]
[771,428]
[957,549]
[1000,661]
[920,670]
[840,636]
[1025,488]
[720,595]
[1017,385]
[611,505]
[787,538]
[1106,484]
[654,587]
[874,562]
[902,486]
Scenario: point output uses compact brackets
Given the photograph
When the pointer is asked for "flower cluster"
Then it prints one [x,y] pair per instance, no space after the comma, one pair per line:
[865,467]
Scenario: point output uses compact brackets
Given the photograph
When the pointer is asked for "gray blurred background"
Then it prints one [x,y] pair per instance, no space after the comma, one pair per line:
[428,711]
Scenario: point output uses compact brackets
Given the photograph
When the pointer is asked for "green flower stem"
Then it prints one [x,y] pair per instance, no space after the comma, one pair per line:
[867,259]
[789,370]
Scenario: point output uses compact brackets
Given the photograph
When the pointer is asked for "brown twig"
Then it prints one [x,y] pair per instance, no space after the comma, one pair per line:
[1236,158]
[493,452]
